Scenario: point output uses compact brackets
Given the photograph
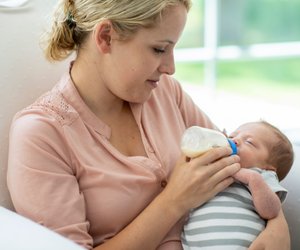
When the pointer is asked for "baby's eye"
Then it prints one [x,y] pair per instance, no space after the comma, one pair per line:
[159,50]
[249,142]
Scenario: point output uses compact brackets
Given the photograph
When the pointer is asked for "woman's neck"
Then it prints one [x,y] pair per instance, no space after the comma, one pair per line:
[88,80]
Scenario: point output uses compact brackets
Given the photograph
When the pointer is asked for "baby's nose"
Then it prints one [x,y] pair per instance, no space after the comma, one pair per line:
[236,141]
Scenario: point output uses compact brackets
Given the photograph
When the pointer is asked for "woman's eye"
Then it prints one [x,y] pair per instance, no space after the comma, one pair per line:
[158,51]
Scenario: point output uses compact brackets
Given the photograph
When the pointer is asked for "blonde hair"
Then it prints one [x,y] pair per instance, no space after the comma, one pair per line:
[281,154]
[75,19]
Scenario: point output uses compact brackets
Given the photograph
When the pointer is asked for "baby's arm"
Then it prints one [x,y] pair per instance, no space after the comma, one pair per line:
[266,202]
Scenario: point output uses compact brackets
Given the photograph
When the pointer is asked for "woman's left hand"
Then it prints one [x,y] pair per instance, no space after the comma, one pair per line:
[276,235]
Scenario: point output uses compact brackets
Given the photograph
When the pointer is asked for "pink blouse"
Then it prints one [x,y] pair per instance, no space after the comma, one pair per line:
[64,173]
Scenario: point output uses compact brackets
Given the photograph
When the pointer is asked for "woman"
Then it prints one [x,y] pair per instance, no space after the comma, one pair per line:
[97,158]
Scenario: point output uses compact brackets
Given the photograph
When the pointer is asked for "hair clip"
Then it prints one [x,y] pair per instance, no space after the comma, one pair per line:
[70,20]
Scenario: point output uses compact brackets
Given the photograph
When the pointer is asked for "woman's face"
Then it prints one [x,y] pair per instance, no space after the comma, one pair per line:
[137,64]
[252,141]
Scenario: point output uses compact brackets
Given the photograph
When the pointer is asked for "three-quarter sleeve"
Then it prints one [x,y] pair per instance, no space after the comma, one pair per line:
[42,183]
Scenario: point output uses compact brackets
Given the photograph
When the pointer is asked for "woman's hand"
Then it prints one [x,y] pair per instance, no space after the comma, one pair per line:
[197,180]
[276,236]
[191,184]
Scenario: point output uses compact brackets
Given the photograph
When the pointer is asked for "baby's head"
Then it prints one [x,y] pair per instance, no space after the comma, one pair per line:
[262,145]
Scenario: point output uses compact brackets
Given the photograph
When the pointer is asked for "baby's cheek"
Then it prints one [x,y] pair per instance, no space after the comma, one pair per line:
[245,159]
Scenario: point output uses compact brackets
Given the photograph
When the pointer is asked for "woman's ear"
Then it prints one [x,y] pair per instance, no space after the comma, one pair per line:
[102,36]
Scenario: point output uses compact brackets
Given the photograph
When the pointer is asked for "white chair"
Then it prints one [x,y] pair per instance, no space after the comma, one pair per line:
[17,232]
[24,76]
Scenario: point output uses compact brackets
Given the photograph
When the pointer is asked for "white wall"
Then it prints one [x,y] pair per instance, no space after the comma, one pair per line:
[24,73]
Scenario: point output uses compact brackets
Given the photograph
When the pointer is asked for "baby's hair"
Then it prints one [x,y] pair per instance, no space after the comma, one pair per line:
[75,19]
[281,155]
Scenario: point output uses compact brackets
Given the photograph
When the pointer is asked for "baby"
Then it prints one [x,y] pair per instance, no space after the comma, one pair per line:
[235,217]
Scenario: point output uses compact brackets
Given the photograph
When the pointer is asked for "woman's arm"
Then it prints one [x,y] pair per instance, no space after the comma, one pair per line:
[276,236]
[191,184]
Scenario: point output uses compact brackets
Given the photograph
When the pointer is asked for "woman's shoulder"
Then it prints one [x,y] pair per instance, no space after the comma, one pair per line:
[170,88]
[171,92]
[169,83]
[51,106]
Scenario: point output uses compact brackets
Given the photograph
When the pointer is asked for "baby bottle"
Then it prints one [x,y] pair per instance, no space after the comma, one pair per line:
[197,140]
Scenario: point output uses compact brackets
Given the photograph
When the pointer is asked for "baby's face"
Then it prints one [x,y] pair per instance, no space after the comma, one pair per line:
[252,140]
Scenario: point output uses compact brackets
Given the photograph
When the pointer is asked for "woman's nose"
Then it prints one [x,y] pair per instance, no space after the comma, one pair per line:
[167,66]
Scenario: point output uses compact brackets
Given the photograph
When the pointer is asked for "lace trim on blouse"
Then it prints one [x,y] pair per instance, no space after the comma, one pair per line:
[54,103]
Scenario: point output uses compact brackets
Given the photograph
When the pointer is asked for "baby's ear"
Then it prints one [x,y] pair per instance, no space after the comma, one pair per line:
[270,167]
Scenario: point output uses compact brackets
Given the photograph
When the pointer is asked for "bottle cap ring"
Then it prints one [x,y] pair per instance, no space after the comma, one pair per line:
[233,146]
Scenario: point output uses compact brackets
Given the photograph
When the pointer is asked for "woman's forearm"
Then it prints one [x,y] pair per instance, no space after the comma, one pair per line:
[148,229]
[279,228]
[276,235]
[191,184]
